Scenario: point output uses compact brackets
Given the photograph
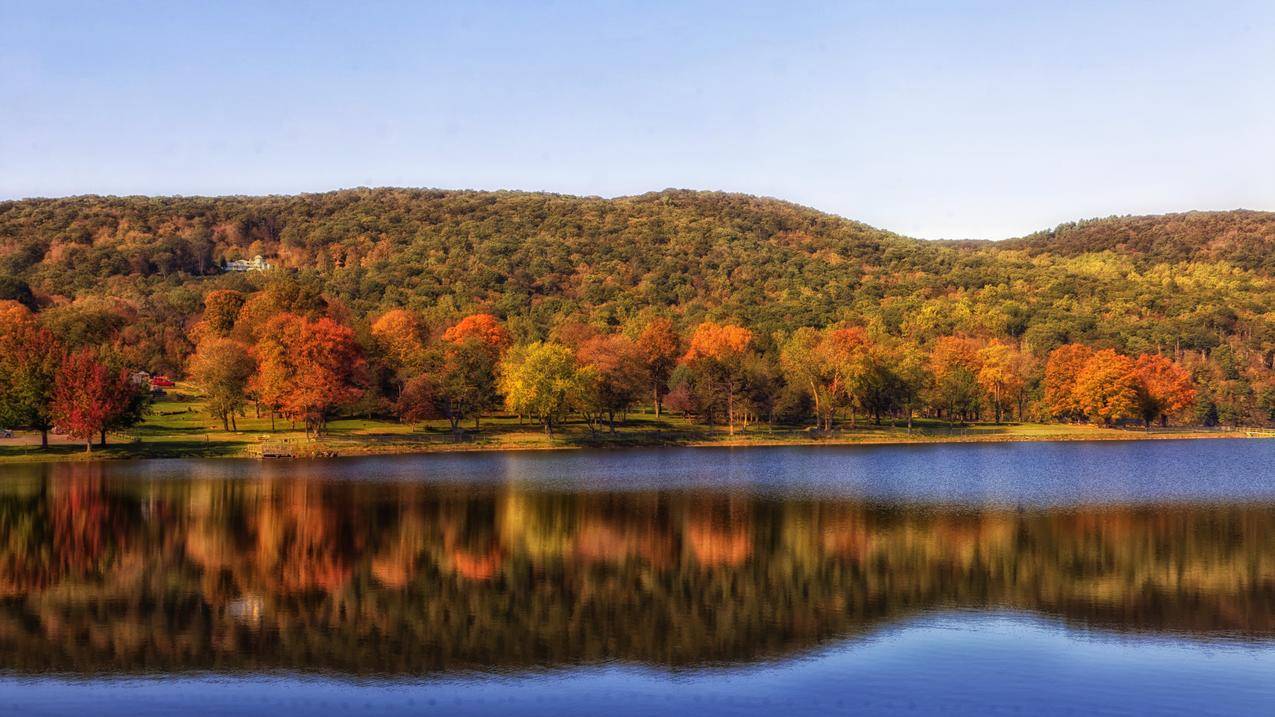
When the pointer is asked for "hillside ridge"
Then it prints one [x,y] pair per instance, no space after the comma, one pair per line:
[668,192]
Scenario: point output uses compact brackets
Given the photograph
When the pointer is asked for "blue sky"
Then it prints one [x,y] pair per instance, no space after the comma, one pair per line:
[935,119]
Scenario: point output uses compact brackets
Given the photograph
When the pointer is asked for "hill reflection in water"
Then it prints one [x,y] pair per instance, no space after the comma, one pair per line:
[130,576]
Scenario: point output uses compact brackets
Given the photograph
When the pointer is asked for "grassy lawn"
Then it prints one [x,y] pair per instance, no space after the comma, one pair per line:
[179,427]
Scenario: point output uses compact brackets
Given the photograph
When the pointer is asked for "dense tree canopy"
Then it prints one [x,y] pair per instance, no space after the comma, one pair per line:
[736,308]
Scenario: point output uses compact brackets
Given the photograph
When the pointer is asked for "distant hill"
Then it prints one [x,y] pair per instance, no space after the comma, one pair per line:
[159,235]
[507,251]
[1244,238]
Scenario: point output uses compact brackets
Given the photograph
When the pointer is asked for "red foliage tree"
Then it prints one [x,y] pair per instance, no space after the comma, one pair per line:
[89,395]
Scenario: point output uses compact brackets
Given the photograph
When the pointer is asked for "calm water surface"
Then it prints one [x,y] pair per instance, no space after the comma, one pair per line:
[1070,578]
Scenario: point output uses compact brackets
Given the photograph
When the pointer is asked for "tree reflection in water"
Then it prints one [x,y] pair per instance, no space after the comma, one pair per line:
[415,578]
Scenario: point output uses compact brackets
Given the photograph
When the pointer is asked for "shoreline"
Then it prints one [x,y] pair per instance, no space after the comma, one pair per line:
[355,446]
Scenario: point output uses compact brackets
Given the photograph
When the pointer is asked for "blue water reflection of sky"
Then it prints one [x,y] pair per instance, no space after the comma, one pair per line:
[1027,474]
[951,663]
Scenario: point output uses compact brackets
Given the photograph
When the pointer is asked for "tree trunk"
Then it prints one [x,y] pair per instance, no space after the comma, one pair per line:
[225,422]
[730,412]
[656,393]
[103,438]
[44,438]
[88,445]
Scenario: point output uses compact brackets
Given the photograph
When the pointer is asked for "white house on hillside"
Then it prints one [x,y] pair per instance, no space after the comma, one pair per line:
[255,264]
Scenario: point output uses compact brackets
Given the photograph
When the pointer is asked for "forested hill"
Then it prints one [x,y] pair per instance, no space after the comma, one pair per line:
[505,250]
[1191,281]
[1244,238]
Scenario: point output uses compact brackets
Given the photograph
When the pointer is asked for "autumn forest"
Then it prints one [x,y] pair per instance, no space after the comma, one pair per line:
[729,310]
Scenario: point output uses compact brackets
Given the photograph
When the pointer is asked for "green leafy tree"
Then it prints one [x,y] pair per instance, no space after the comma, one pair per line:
[543,381]
[804,366]
[457,383]
[222,368]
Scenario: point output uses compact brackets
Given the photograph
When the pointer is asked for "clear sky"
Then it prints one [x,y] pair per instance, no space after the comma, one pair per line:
[935,119]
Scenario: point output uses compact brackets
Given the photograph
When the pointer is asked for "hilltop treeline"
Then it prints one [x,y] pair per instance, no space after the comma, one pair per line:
[774,309]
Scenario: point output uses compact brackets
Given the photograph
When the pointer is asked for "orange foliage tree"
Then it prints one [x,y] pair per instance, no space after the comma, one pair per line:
[847,356]
[1108,387]
[29,358]
[659,345]
[955,364]
[13,313]
[485,327]
[1166,388]
[1062,368]
[221,310]
[307,368]
[717,354]
[258,310]
[1000,374]
[466,366]
[401,334]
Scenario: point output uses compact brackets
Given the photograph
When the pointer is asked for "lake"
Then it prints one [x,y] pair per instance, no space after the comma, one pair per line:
[1017,578]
